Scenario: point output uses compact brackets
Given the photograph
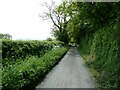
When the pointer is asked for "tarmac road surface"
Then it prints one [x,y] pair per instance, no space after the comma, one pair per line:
[71,72]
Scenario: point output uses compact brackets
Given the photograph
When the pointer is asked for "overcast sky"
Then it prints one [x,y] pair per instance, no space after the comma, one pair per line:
[20,18]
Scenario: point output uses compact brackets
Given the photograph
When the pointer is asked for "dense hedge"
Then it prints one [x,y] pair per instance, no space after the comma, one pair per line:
[0,50]
[0,65]
[31,70]
[102,53]
[14,49]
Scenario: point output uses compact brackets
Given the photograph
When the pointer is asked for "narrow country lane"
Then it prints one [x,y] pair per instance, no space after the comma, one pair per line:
[71,72]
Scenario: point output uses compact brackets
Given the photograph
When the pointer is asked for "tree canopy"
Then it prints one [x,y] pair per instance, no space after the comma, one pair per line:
[5,36]
[74,20]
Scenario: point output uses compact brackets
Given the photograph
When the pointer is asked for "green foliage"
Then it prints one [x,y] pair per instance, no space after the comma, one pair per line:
[13,50]
[18,49]
[26,74]
[26,62]
[60,19]
[5,36]
[49,39]
[101,52]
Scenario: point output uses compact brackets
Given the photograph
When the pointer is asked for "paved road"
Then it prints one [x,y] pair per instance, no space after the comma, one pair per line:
[71,72]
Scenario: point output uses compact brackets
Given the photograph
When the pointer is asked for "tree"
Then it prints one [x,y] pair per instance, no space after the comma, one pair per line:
[60,18]
[5,36]
[49,39]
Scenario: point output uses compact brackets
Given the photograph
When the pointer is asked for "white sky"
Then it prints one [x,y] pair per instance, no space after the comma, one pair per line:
[20,18]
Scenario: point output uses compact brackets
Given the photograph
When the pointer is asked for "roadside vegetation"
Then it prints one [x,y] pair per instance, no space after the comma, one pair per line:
[26,63]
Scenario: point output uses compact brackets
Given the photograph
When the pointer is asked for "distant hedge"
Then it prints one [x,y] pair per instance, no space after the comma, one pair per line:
[14,49]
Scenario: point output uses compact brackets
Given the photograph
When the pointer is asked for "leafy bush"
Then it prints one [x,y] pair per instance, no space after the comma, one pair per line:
[31,70]
[16,49]
[13,50]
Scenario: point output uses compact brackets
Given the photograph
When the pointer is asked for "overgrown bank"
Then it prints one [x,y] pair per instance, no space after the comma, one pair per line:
[102,53]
